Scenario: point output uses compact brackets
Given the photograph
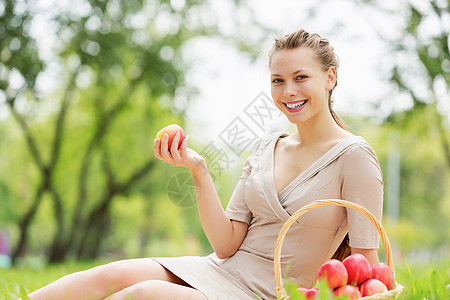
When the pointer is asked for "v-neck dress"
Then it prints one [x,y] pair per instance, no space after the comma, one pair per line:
[349,171]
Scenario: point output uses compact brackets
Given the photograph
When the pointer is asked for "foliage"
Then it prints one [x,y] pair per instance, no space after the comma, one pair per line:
[423,182]
[83,108]
[422,68]
[421,279]
[77,176]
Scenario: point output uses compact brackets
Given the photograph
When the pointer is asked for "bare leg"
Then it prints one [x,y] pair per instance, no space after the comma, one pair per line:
[102,281]
[159,290]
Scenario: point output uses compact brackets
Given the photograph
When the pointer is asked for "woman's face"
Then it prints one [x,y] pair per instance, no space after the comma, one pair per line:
[299,86]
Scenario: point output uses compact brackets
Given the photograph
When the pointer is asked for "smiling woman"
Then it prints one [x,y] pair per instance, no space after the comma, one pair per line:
[297,51]
[283,173]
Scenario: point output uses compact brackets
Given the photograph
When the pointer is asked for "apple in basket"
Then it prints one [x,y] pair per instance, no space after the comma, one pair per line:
[358,269]
[371,287]
[308,293]
[383,273]
[347,290]
[334,272]
[172,130]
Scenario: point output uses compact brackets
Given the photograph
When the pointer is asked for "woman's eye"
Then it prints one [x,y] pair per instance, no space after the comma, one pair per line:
[300,77]
[277,80]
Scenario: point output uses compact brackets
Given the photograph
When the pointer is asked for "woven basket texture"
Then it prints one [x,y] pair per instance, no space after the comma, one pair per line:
[391,294]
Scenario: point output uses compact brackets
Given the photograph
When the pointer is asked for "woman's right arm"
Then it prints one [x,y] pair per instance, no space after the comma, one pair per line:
[224,235]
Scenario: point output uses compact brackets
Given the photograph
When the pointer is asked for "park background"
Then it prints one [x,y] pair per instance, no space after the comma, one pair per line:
[86,85]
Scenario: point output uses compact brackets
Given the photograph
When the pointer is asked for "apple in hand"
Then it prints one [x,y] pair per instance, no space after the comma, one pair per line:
[347,290]
[335,273]
[371,287]
[308,293]
[172,130]
[358,269]
[383,273]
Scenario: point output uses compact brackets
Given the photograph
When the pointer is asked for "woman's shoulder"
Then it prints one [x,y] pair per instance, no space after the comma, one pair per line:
[360,155]
[358,146]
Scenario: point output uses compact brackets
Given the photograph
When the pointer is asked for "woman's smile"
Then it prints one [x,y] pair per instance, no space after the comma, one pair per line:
[295,106]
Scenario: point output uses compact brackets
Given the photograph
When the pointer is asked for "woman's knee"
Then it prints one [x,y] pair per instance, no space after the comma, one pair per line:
[150,289]
[111,276]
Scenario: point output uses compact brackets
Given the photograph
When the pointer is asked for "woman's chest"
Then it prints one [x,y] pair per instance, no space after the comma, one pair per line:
[289,163]
[266,204]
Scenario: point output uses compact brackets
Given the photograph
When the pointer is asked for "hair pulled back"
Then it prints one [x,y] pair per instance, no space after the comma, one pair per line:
[323,51]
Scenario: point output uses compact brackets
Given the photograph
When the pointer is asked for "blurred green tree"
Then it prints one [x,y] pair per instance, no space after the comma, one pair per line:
[120,74]
[420,70]
[422,67]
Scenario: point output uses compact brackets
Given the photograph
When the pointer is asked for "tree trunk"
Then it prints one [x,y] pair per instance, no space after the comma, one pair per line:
[24,225]
[104,121]
[57,251]
[94,229]
[92,233]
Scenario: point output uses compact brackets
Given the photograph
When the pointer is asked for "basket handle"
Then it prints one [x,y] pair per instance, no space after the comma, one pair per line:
[281,293]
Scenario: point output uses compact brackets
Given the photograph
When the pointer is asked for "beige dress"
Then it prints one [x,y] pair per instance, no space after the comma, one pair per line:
[349,170]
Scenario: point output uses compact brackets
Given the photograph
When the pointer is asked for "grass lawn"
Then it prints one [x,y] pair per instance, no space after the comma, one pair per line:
[420,280]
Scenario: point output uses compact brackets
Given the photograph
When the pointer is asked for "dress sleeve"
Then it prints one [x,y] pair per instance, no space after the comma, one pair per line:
[237,208]
[362,184]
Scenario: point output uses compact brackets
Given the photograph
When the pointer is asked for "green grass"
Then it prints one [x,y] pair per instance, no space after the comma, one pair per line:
[420,280]
[430,281]
[35,276]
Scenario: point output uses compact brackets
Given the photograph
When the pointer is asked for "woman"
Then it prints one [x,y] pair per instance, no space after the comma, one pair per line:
[283,173]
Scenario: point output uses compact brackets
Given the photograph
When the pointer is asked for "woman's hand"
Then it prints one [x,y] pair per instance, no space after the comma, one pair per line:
[225,235]
[184,157]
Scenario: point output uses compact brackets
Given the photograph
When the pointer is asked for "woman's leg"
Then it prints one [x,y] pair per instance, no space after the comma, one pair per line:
[157,290]
[102,281]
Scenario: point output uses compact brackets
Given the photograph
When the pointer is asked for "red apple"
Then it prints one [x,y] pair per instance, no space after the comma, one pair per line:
[347,290]
[334,272]
[311,293]
[172,130]
[308,293]
[302,290]
[358,268]
[371,287]
[383,273]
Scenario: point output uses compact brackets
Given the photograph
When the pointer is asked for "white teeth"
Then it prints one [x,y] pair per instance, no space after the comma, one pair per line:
[295,105]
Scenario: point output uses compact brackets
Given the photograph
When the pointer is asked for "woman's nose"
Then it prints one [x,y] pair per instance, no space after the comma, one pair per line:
[289,90]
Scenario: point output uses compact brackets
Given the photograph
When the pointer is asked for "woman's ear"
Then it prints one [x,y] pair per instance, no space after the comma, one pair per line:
[331,80]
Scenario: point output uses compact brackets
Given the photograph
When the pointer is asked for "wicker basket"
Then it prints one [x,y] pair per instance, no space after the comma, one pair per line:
[281,293]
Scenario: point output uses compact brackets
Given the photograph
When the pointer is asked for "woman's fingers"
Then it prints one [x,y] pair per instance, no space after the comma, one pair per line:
[174,148]
[157,148]
[165,149]
[183,148]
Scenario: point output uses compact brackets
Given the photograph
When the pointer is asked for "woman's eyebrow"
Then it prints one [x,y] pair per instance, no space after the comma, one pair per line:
[294,73]
[298,71]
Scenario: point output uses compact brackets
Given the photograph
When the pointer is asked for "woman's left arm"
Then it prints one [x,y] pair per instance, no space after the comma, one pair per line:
[363,185]
[370,254]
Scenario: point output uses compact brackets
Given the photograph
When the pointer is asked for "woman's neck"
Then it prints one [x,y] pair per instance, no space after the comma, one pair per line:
[318,130]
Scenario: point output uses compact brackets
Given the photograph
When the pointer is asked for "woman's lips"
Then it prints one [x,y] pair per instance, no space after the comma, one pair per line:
[295,106]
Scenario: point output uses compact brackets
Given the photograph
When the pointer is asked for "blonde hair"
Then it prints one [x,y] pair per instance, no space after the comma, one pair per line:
[322,49]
